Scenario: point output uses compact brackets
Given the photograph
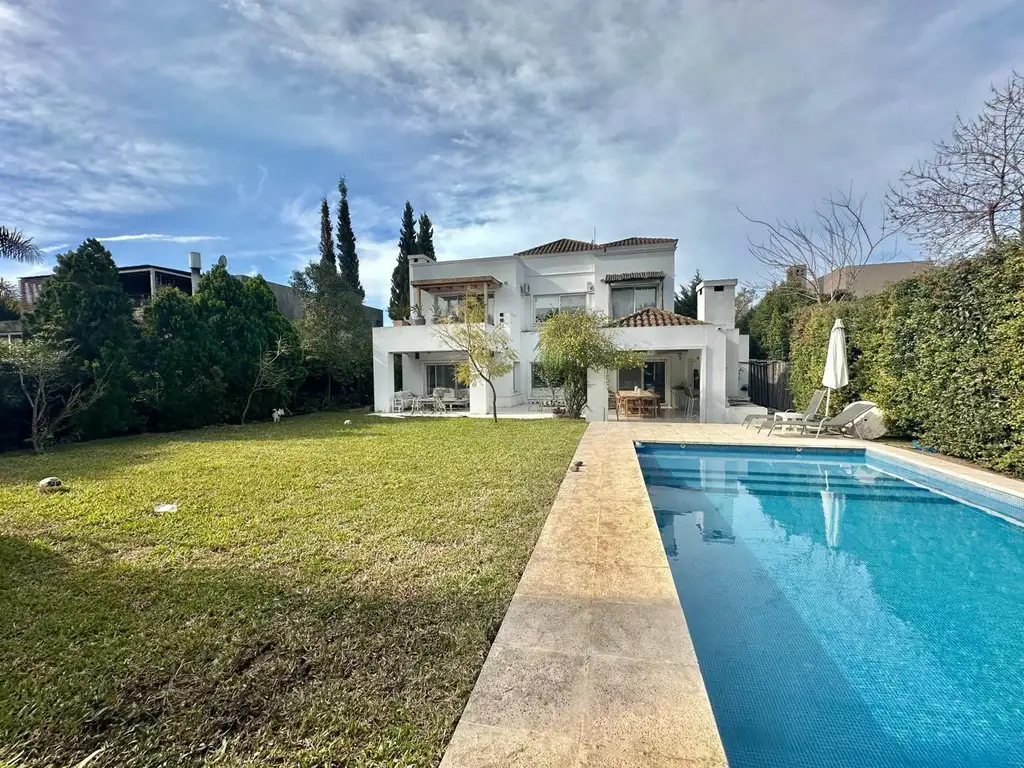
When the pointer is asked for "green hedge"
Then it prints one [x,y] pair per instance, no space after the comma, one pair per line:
[942,354]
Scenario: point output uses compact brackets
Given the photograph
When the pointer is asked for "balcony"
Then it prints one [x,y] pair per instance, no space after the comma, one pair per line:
[437,299]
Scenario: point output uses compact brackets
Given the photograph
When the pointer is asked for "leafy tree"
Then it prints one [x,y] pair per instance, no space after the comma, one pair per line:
[16,247]
[84,307]
[489,352]
[348,259]
[399,306]
[686,299]
[334,331]
[244,320]
[572,343]
[746,299]
[10,308]
[55,394]
[770,323]
[326,236]
[183,387]
[425,237]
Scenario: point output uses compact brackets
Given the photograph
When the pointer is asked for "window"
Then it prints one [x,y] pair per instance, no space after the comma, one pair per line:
[539,380]
[546,306]
[448,306]
[626,301]
[441,375]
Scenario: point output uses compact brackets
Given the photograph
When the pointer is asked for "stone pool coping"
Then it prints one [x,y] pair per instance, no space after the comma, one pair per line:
[593,664]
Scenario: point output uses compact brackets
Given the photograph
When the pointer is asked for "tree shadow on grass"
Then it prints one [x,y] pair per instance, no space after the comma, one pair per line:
[99,459]
[156,665]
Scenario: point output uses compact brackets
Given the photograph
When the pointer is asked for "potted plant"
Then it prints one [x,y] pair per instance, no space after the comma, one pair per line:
[417,315]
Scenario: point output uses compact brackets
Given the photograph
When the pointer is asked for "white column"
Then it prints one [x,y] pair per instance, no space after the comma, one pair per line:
[597,396]
[413,375]
[479,398]
[383,380]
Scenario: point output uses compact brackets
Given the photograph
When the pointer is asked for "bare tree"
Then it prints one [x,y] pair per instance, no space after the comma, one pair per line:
[44,375]
[270,373]
[822,259]
[971,194]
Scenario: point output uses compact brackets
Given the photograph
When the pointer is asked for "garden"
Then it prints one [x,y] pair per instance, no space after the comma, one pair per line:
[321,591]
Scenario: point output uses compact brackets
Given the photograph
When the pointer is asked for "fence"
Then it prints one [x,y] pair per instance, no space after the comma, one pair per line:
[769,384]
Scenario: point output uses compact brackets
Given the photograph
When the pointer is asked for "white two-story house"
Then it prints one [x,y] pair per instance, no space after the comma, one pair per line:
[697,367]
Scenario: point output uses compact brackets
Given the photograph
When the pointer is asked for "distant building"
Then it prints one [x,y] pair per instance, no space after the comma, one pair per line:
[10,331]
[141,282]
[859,282]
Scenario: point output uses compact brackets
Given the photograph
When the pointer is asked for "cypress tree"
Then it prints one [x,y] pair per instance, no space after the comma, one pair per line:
[425,237]
[326,236]
[348,259]
[399,307]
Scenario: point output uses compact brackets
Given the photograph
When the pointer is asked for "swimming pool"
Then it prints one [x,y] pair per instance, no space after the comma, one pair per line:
[843,613]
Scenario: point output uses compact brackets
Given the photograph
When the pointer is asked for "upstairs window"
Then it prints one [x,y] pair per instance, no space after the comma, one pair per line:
[626,301]
[546,306]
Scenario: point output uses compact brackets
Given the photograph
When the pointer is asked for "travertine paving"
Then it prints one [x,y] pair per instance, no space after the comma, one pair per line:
[593,664]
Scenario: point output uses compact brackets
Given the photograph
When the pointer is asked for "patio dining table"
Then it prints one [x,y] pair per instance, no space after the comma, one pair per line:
[642,403]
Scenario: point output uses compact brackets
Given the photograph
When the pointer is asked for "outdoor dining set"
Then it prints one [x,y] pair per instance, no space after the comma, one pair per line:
[440,400]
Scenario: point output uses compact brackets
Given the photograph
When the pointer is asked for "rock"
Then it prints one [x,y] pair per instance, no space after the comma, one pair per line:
[50,485]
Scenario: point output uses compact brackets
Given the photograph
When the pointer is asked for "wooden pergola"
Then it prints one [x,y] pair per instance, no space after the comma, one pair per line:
[456,286]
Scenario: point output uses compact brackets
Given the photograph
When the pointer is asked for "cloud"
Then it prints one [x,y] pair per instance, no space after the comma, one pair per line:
[512,124]
[542,120]
[161,238]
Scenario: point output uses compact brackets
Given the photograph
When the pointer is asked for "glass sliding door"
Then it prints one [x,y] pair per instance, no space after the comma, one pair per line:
[651,377]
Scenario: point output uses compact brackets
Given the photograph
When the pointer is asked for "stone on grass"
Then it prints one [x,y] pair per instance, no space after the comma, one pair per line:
[50,485]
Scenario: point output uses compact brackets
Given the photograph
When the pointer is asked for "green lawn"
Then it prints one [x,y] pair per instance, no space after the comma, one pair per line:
[324,595]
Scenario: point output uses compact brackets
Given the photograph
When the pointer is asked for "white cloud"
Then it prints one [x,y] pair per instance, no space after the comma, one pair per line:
[161,238]
[548,119]
[511,123]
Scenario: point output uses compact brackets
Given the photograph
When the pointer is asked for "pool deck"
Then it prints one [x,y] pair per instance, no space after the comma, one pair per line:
[593,664]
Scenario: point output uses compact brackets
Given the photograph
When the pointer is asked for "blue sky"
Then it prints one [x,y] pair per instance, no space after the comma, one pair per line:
[217,126]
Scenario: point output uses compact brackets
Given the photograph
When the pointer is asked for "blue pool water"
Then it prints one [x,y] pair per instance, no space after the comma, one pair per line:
[843,616]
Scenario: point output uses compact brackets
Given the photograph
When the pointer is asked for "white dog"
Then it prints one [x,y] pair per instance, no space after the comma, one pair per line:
[276,414]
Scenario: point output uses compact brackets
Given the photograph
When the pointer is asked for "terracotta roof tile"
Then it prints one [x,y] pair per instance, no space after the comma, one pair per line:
[568,245]
[564,245]
[639,241]
[652,317]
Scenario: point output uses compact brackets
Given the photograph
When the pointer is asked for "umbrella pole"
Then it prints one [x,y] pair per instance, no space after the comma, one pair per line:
[828,400]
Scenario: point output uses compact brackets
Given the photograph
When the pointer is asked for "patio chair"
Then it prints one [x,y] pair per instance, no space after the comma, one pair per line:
[843,422]
[796,418]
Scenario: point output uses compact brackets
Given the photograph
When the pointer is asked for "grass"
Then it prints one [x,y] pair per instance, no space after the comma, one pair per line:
[324,595]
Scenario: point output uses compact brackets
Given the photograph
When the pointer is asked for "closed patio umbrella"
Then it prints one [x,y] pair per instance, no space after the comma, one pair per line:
[836,375]
[833,505]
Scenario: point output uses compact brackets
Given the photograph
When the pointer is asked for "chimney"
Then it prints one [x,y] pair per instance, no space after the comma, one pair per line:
[195,263]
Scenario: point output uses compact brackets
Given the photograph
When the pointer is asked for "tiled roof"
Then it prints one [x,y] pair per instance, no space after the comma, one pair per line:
[620,277]
[652,317]
[639,241]
[565,245]
[568,245]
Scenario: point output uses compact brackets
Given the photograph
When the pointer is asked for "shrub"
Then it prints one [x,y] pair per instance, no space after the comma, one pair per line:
[939,353]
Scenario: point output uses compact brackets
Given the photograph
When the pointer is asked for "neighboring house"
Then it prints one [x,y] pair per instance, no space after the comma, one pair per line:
[143,281]
[10,331]
[863,281]
[630,280]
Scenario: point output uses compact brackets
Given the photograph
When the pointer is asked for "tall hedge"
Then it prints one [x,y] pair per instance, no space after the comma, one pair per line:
[942,354]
